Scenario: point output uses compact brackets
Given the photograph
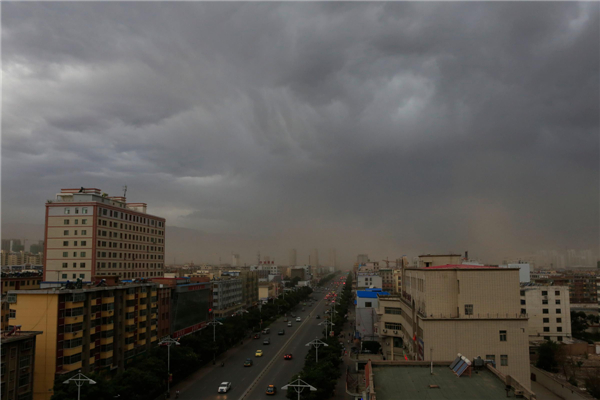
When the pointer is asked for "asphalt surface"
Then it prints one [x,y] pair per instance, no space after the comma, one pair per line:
[279,371]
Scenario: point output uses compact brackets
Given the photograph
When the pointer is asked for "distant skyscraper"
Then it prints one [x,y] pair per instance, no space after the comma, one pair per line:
[332,258]
[6,245]
[362,258]
[235,260]
[292,260]
[314,258]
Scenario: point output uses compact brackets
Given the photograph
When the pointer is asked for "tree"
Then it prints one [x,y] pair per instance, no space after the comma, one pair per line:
[548,356]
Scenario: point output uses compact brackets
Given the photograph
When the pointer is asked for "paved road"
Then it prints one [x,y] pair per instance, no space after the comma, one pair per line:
[282,370]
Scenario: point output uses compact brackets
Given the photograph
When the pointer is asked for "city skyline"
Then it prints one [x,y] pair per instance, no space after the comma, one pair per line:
[383,128]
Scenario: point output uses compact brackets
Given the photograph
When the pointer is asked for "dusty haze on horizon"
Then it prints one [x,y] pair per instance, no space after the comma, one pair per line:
[378,128]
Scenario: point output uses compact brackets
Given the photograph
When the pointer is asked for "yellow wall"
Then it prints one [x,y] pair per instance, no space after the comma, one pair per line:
[39,312]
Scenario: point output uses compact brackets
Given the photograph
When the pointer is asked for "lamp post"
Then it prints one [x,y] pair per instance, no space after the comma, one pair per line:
[168,341]
[316,343]
[214,325]
[79,380]
[299,385]
[327,323]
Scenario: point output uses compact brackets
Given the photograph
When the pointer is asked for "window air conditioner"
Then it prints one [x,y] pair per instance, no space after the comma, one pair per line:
[396,332]
[384,330]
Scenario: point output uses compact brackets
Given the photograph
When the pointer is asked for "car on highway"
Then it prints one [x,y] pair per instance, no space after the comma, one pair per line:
[290,323]
[266,330]
[258,353]
[318,316]
[298,319]
[224,387]
[287,356]
[267,341]
[248,362]
[281,332]
[271,390]
[257,336]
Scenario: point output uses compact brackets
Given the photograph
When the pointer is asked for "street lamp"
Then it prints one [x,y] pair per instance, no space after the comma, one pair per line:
[317,343]
[214,325]
[327,323]
[299,385]
[79,380]
[168,341]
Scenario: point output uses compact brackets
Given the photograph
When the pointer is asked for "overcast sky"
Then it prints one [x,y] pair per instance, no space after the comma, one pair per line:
[378,128]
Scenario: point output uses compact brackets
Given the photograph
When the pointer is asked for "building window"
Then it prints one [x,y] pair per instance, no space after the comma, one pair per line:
[368,304]
[83,242]
[504,360]
[544,293]
[393,310]
[66,221]
[522,301]
[84,210]
[491,357]
[558,311]
[468,309]
[65,243]
[82,265]
[64,276]
[66,233]
[84,232]
[559,338]
[545,311]
[76,222]
[65,254]
[84,222]
[546,337]
[503,336]
[522,293]
[67,211]
[559,328]
[557,293]
[546,329]
[557,301]
[82,276]
[558,320]
[544,301]
[82,254]
[546,320]
[12,314]
[64,265]
[393,326]
[523,311]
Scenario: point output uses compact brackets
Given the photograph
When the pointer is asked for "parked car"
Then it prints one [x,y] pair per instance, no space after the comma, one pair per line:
[281,332]
[224,387]
[248,362]
[267,341]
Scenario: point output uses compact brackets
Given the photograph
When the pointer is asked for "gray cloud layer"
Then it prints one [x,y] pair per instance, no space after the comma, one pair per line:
[386,128]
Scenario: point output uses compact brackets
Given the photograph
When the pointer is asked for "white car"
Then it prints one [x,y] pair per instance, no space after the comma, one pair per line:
[224,387]
[298,319]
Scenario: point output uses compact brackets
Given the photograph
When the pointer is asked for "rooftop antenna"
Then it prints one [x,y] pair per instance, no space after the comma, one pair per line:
[124,191]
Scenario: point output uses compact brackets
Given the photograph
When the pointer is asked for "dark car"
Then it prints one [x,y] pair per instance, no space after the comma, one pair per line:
[281,332]
[267,341]
[318,316]
[248,362]
[287,357]
[257,336]
[271,390]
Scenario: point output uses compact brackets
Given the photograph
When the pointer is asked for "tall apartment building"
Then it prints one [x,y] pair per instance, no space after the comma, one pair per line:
[314,258]
[582,288]
[292,258]
[249,287]
[452,309]
[89,234]
[18,364]
[93,328]
[227,296]
[549,312]
[387,279]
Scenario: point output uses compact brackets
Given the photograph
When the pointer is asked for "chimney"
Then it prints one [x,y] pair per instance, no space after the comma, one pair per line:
[467,255]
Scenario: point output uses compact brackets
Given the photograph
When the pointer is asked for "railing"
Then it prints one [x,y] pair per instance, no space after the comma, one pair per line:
[476,316]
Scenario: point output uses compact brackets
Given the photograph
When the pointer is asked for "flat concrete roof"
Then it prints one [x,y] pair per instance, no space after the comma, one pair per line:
[412,382]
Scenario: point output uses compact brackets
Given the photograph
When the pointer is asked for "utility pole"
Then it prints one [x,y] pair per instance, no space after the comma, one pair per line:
[299,385]
[327,322]
[168,341]
[316,343]
[79,380]
[214,325]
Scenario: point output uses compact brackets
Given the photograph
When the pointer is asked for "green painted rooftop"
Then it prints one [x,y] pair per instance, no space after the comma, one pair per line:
[412,382]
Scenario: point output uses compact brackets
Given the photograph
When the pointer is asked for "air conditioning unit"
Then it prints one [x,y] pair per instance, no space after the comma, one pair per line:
[384,330]
[396,332]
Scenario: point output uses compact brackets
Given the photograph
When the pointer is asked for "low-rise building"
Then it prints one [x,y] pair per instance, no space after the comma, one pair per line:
[88,329]
[18,363]
[434,260]
[549,312]
[227,296]
[367,280]
[21,281]
[367,304]
[452,309]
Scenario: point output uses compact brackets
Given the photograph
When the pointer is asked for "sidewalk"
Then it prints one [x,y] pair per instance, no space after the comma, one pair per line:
[347,363]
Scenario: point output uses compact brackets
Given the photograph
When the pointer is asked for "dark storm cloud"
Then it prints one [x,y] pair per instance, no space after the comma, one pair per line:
[386,128]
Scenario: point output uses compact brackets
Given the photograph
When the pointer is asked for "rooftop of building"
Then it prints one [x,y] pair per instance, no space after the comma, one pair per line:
[80,287]
[413,382]
[16,335]
[440,255]
[369,294]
